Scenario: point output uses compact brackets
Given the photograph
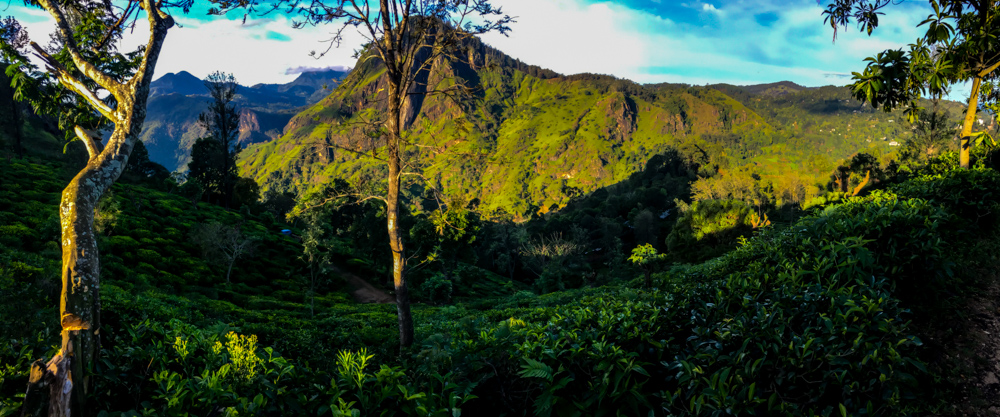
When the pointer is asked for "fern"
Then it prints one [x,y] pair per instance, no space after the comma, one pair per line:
[535,369]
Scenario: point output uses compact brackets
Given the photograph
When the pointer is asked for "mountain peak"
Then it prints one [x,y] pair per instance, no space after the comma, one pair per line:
[182,83]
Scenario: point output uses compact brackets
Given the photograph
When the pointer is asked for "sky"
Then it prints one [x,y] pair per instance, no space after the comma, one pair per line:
[695,42]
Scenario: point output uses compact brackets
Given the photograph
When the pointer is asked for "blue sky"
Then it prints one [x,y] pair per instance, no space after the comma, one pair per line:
[695,42]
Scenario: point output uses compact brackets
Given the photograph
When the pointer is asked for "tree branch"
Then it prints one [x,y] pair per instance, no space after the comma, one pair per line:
[985,72]
[73,83]
[121,20]
[93,145]
[88,69]
[159,23]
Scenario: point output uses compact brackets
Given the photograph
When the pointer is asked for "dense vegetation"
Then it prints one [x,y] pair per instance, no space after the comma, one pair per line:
[827,315]
[529,142]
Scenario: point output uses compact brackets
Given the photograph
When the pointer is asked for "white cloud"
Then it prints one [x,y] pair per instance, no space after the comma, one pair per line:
[569,36]
[300,70]
[248,52]
[572,36]
[204,46]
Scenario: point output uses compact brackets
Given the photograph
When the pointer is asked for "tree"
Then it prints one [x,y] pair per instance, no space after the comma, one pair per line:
[447,235]
[14,41]
[853,176]
[407,37]
[961,45]
[644,227]
[278,203]
[224,243]
[316,253]
[505,240]
[645,256]
[89,65]
[206,168]
[141,168]
[934,133]
[222,122]
[246,192]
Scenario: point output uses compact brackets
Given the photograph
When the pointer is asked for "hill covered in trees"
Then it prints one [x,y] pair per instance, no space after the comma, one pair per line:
[525,137]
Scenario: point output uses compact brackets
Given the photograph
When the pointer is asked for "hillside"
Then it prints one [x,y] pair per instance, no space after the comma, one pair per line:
[176,100]
[842,313]
[534,138]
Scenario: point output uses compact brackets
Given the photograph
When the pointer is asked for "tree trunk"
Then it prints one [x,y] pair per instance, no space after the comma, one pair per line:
[80,304]
[392,215]
[649,278]
[970,119]
[861,186]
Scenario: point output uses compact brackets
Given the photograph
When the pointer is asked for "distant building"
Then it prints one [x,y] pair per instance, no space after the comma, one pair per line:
[893,143]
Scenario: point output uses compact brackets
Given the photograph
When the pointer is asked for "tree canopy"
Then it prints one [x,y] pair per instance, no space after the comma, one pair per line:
[960,45]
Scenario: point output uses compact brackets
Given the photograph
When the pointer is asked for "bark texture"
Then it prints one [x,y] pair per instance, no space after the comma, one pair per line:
[392,215]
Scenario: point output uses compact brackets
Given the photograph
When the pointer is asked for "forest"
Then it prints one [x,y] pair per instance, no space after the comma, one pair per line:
[445,230]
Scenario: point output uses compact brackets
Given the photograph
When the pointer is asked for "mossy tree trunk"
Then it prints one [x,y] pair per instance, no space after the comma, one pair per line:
[80,304]
[393,125]
[965,145]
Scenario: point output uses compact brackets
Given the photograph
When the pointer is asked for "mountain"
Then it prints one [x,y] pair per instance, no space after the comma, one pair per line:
[530,136]
[176,100]
[314,85]
[182,83]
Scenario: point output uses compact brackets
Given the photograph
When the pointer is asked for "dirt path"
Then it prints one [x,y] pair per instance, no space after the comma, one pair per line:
[983,329]
[364,292]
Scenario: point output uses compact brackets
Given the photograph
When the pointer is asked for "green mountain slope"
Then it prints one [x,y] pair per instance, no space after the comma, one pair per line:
[532,137]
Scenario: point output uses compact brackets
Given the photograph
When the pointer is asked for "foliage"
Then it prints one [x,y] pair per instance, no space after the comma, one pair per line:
[960,45]
[709,228]
[106,214]
[645,256]
[934,134]
[854,176]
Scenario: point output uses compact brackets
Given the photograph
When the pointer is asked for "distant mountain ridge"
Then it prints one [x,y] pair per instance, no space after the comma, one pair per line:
[176,100]
[533,137]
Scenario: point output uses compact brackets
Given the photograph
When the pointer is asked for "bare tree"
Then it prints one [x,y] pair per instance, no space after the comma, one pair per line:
[90,67]
[225,243]
[408,37]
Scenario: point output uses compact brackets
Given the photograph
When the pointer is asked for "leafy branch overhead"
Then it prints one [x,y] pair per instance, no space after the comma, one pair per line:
[961,44]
